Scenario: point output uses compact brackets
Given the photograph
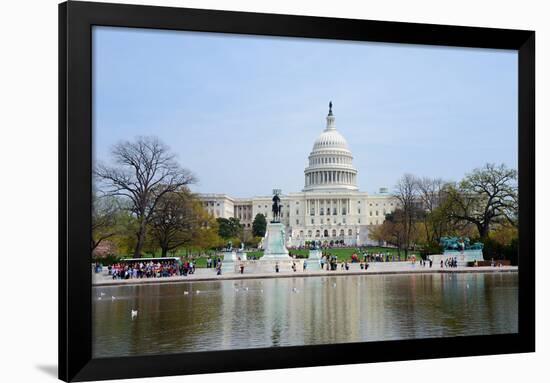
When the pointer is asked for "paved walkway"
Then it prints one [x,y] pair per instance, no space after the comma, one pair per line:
[375,268]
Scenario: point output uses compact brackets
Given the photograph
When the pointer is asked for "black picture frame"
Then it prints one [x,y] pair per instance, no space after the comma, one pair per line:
[75,168]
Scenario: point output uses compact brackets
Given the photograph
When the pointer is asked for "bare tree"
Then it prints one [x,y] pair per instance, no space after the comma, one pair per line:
[406,192]
[144,171]
[486,196]
[174,222]
[432,195]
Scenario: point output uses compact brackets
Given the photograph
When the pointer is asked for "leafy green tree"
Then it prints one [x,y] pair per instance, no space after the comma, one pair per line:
[229,228]
[259,225]
[104,219]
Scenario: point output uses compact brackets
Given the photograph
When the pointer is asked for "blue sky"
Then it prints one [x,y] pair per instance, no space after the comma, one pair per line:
[237,109]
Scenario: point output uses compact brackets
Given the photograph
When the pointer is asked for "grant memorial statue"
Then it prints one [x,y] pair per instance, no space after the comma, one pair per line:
[274,240]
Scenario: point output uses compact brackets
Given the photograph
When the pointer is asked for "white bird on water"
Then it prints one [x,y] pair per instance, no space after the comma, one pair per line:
[294,290]
[113,297]
[467,285]
[134,314]
[98,298]
[246,288]
[198,292]
[186,293]
[334,285]
[102,294]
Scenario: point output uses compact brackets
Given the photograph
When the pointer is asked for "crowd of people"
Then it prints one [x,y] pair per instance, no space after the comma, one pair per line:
[150,269]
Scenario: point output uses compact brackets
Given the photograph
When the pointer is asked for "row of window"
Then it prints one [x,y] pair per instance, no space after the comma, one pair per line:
[322,221]
[328,211]
[330,160]
[325,233]
[335,212]
[384,204]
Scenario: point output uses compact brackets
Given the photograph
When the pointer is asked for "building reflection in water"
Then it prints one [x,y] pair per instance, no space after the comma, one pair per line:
[273,312]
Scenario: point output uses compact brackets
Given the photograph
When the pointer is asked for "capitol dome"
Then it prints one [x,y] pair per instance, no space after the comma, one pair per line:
[330,161]
[330,139]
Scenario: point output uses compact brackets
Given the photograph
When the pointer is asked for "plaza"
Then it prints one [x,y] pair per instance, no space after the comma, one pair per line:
[375,268]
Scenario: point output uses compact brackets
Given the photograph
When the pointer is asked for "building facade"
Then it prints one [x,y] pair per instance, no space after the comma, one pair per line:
[330,207]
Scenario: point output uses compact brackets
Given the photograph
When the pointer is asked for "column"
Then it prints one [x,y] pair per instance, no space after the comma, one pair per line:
[316,207]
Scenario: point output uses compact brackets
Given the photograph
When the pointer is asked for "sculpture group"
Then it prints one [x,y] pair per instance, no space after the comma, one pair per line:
[459,243]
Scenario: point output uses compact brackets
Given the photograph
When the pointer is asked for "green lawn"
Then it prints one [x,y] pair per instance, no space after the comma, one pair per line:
[343,254]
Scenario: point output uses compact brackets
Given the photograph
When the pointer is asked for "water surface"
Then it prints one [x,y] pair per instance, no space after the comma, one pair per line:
[215,315]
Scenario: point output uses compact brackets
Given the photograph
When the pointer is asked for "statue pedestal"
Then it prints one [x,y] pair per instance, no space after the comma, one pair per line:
[313,262]
[229,261]
[241,255]
[275,252]
[274,243]
[463,257]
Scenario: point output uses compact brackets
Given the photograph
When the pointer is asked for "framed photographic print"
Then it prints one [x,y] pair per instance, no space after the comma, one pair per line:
[246,191]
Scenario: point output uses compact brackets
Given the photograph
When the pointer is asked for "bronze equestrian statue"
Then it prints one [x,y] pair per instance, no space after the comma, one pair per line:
[276,208]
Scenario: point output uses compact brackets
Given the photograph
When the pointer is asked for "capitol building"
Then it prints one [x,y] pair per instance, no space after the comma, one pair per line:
[330,206]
